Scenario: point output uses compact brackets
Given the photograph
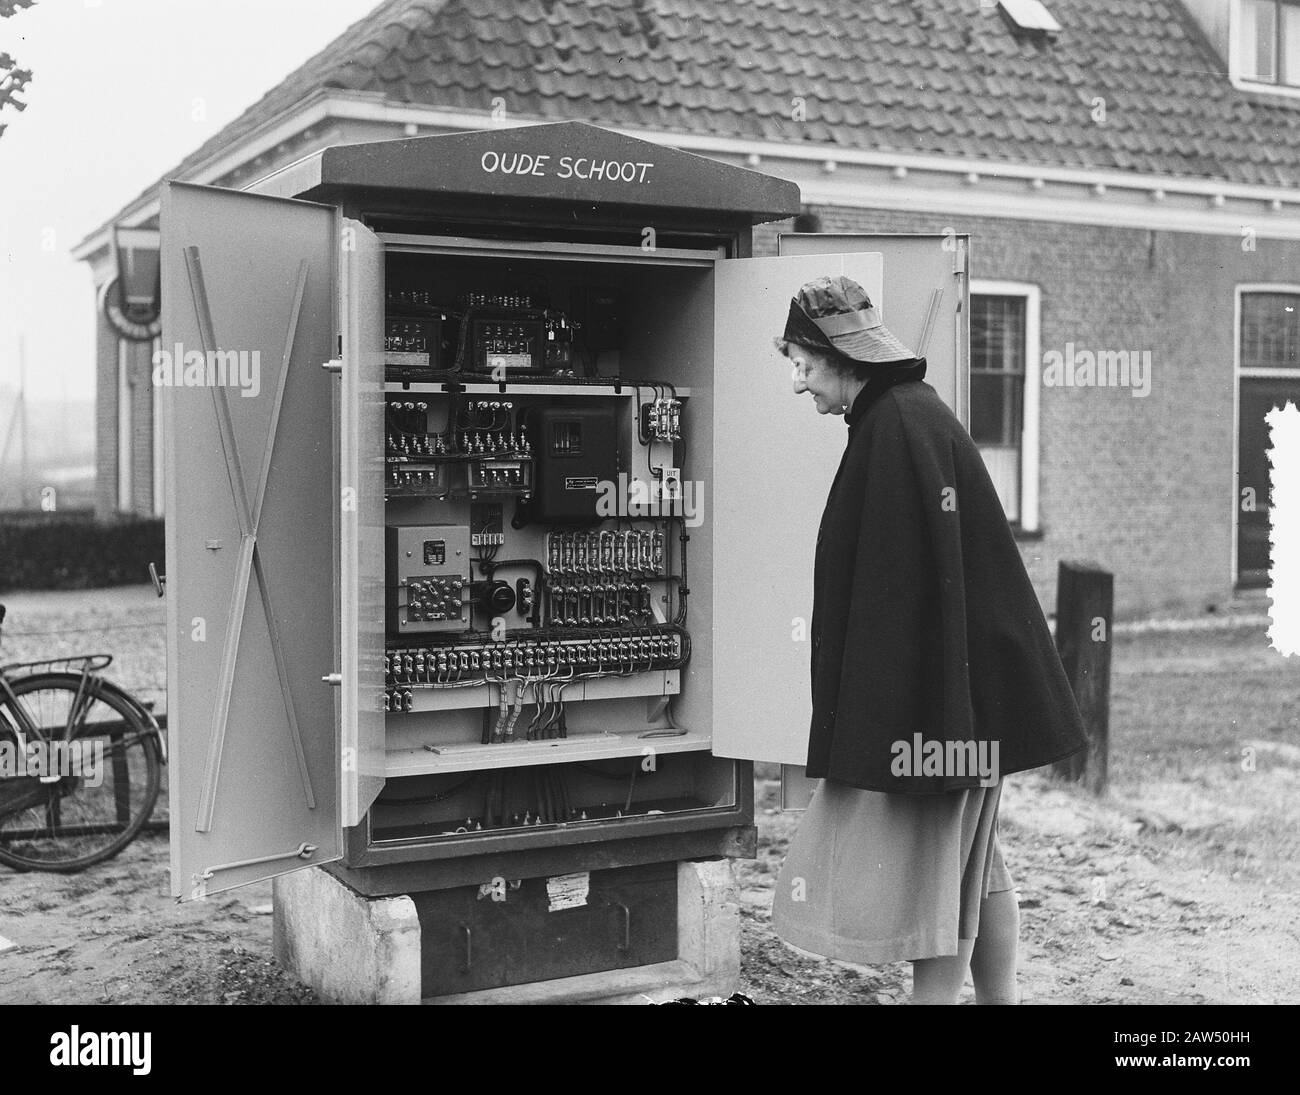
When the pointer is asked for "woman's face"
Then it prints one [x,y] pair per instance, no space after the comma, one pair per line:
[814,374]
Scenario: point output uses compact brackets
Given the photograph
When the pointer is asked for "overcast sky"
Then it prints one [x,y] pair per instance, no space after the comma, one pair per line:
[123,90]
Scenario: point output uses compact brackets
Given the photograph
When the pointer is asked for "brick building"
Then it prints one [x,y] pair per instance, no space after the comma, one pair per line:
[1127,171]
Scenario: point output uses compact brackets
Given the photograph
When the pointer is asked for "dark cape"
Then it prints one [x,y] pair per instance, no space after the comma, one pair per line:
[924,619]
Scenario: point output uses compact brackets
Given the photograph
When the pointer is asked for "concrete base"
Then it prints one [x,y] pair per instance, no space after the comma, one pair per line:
[360,950]
[349,949]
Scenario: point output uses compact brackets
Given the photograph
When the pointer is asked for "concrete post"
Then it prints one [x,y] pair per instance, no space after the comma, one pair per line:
[350,949]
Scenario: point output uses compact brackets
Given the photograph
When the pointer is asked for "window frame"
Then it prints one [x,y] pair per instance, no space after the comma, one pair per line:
[156,400]
[1237,76]
[1029,427]
[1259,290]
[1240,291]
[125,426]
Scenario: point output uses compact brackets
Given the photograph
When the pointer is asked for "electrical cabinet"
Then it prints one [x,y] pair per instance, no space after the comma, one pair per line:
[500,570]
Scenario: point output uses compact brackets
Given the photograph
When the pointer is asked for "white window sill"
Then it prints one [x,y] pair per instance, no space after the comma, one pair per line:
[1284,91]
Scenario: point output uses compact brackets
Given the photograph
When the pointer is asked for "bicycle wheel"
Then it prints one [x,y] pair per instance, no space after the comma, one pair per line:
[101,776]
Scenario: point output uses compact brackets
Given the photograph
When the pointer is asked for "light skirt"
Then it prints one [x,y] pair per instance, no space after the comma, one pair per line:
[872,877]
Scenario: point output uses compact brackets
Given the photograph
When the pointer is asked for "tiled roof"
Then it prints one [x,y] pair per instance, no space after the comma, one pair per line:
[916,76]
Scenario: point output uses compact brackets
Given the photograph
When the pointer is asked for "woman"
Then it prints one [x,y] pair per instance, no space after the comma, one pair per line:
[933,674]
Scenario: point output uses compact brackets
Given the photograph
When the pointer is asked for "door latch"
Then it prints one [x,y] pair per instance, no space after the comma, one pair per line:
[200,888]
[159,580]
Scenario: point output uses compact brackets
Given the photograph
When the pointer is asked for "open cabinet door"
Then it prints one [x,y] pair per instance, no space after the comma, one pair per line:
[249,296]
[774,461]
[361,475]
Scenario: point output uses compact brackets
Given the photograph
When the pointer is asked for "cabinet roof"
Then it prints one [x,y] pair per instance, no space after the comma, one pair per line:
[570,162]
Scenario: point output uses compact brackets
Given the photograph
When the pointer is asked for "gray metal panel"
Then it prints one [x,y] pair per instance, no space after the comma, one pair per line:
[915,266]
[254,753]
[773,464]
[361,471]
[291,180]
[796,788]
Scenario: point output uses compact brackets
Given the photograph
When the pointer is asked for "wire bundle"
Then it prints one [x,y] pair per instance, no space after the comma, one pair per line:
[526,796]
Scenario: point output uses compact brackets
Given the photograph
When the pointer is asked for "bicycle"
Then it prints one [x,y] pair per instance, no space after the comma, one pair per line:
[80,764]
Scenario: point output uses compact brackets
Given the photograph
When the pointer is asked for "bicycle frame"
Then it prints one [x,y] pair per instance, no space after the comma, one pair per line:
[9,702]
[15,719]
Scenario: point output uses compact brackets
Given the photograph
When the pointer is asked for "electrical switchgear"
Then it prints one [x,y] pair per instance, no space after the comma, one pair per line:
[532,375]
[537,553]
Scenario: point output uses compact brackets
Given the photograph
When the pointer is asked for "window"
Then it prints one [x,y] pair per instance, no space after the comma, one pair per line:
[1030,15]
[1270,331]
[1268,41]
[1268,375]
[1003,392]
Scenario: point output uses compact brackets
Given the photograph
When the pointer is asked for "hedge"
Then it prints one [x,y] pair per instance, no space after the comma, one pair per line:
[76,551]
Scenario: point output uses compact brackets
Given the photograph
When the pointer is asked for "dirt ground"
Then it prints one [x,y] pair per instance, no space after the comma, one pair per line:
[113,934]
[1181,885]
